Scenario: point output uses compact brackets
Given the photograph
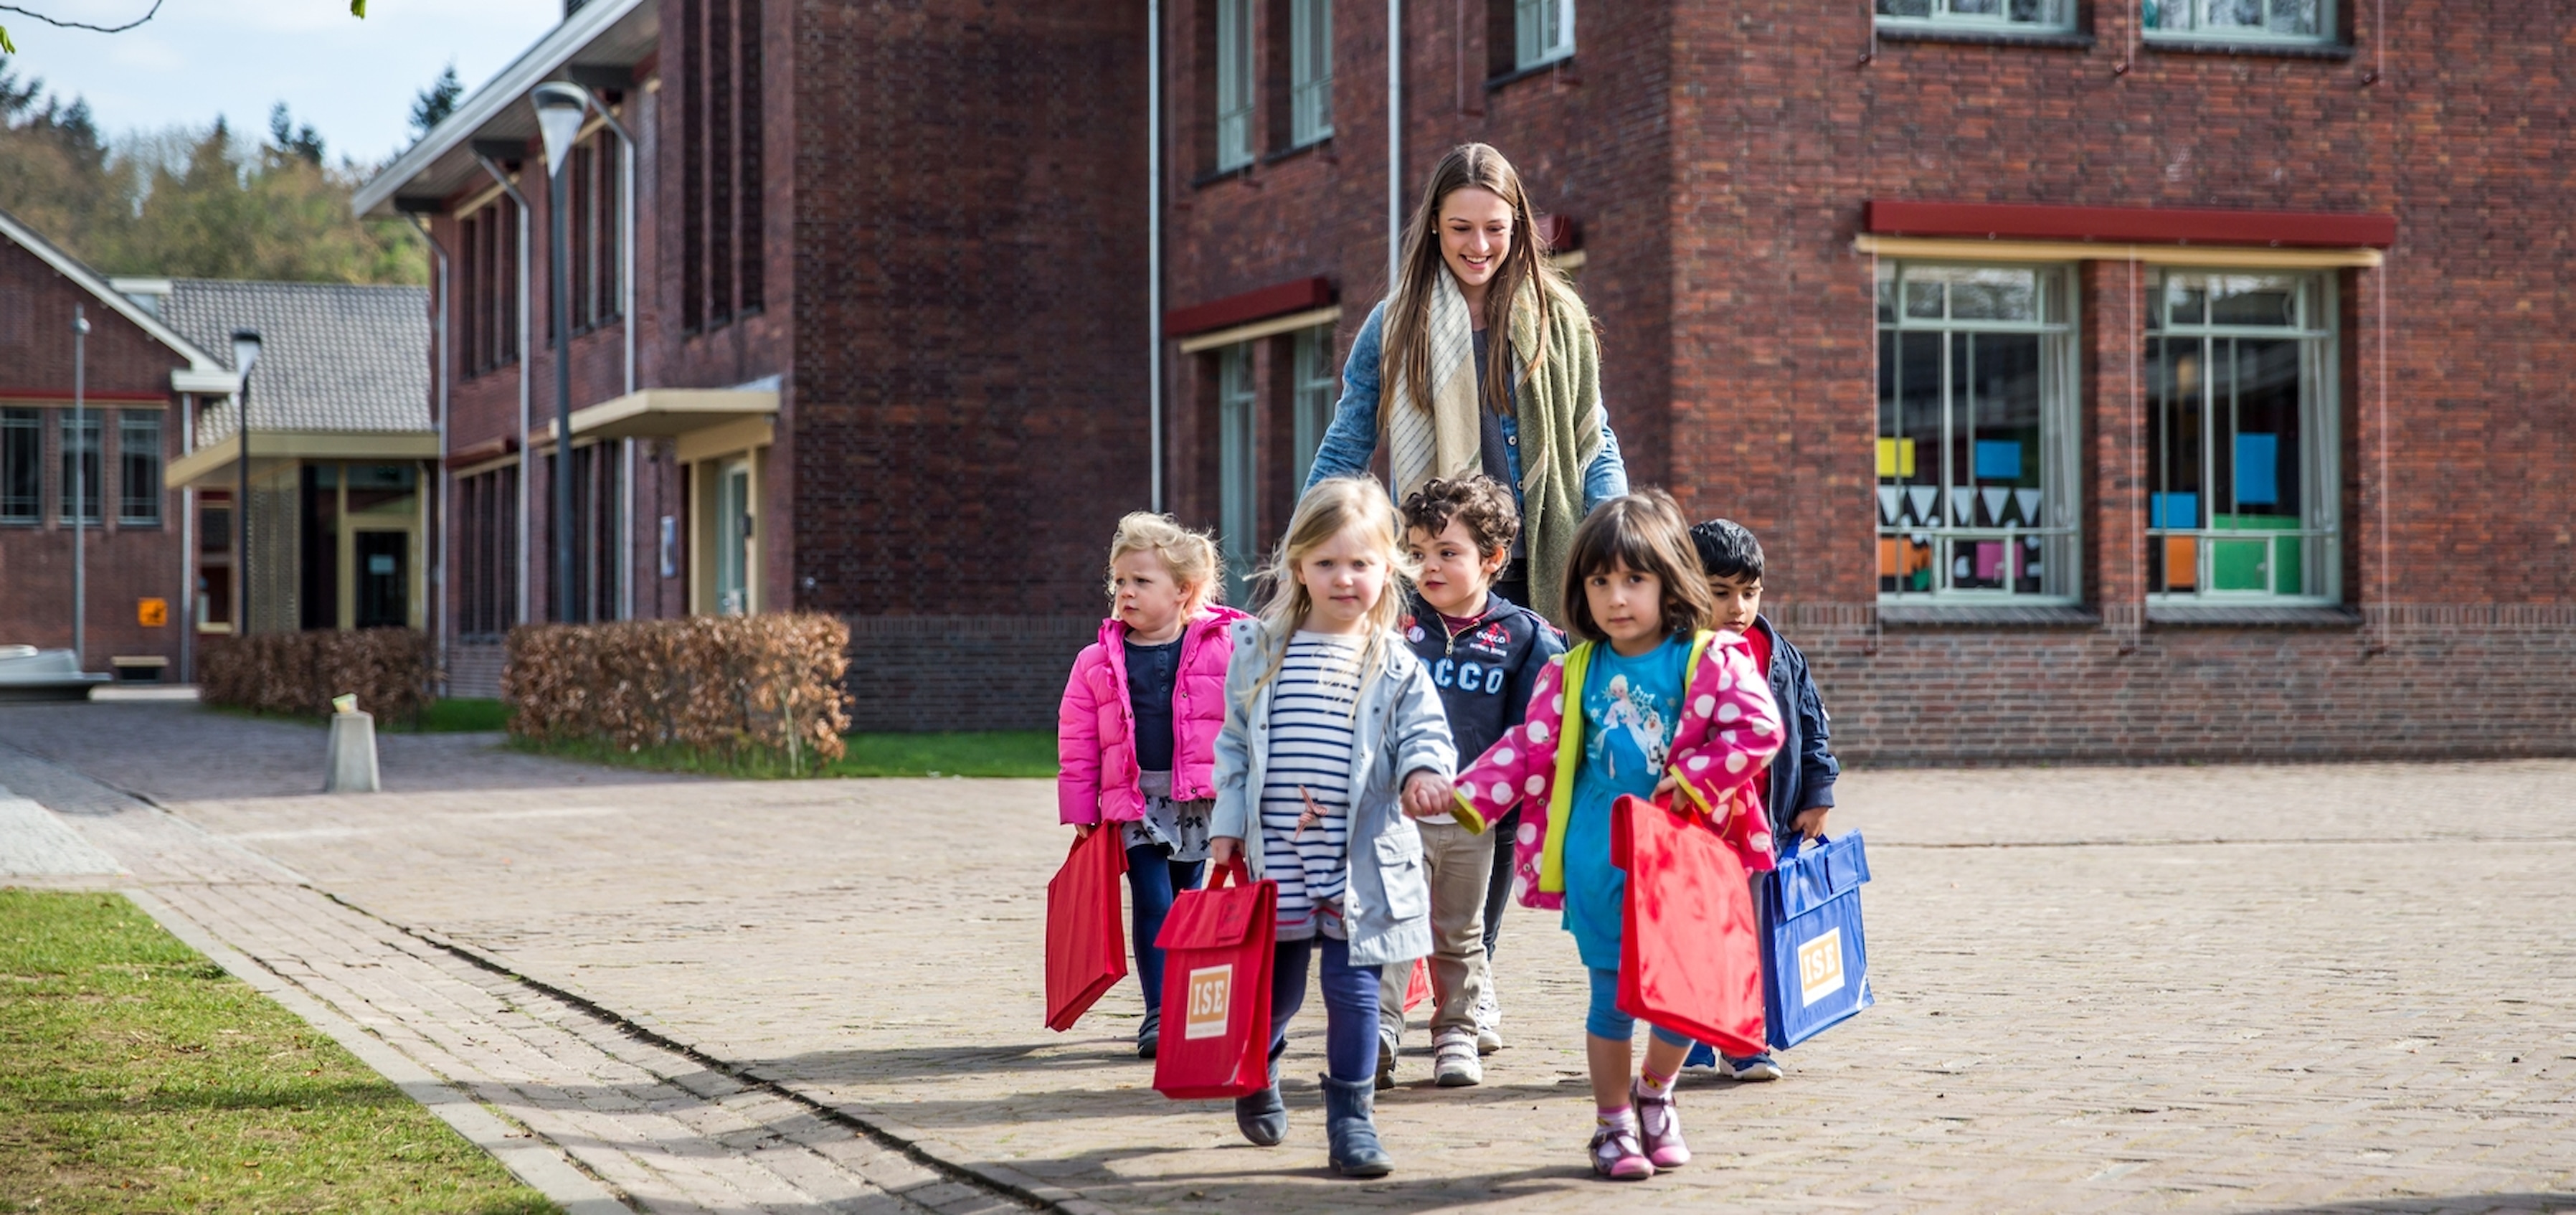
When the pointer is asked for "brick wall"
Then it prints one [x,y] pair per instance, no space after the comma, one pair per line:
[919,673]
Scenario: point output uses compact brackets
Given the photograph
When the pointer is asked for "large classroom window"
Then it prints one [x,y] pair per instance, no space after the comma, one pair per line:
[1999,16]
[82,467]
[1310,72]
[138,462]
[1234,84]
[2240,438]
[2241,20]
[1977,456]
[1238,477]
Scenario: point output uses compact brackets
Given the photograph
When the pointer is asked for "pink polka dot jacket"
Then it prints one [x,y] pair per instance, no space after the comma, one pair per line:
[1730,728]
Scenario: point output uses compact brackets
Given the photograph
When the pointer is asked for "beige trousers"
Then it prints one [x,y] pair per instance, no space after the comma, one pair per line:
[1460,866]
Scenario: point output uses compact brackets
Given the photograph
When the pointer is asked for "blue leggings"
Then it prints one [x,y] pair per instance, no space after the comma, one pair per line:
[1606,1021]
[1152,879]
[1350,1006]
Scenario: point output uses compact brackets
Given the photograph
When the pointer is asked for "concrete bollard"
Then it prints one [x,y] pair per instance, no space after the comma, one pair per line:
[350,765]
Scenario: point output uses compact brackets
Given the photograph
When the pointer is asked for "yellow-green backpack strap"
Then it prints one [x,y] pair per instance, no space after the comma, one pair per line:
[1569,757]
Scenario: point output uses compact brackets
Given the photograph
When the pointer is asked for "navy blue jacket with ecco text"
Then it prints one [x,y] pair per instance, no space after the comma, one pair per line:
[1484,671]
[1802,777]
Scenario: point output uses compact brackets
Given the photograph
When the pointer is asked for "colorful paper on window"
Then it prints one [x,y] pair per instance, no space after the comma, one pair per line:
[1896,457]
[2258,470]
[2173,510]
[1999,459]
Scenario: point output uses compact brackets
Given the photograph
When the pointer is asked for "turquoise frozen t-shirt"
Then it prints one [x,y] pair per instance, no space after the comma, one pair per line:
[1629,708]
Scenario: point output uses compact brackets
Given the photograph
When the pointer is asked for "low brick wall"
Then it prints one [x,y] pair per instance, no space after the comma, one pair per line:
[2412,682]
[911,674]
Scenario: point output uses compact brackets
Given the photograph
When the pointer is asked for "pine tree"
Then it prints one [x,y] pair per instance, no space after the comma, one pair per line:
[436,102]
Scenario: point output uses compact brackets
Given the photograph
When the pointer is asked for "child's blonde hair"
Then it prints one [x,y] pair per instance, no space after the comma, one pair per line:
[1197,567]
[1334,506]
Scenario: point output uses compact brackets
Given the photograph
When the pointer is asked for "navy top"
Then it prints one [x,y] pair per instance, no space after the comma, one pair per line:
[1152,670]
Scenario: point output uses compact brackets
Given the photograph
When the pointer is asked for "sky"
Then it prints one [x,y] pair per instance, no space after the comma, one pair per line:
[353,80]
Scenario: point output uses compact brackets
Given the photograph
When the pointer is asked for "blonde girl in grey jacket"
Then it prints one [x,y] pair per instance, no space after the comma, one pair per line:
[1333,736]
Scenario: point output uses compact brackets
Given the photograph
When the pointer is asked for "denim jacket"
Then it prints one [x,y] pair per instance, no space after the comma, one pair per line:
[1401,729]
[1351,442]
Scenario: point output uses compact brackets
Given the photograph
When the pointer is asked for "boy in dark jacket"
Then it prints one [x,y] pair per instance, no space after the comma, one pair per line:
[1797,790]
[1485,653]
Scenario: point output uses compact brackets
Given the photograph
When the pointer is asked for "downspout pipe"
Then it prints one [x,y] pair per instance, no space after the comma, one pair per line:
[484,150]
[442,365]
[1394,143]
[1154,244]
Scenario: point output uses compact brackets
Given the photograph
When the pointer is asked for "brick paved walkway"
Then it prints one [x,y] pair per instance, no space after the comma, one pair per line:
[2345,988]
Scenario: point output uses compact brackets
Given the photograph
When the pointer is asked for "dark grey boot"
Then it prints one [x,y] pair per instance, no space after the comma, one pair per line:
[1149,1036]
[1350,1125]
[1262,1116]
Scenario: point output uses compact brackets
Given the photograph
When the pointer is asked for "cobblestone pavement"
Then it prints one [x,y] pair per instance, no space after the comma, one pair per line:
[2347,988]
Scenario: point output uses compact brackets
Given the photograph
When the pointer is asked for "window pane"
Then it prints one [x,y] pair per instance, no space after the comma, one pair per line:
[1237,486]
[2235,14]
[138,457]
[1234,83]
[22,463]
[80,444]
[1905,8]
[2253,300]
[2300,17]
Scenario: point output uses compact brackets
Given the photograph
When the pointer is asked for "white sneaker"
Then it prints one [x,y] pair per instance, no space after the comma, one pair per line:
[1454,1062]
[1489,1022]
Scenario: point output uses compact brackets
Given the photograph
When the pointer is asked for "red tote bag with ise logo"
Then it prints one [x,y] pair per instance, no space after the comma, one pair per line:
[1086,934]
[1690,956]
[1218,944]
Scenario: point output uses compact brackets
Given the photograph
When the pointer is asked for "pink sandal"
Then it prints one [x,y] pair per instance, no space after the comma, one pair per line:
[1616,1154]
[1659,1123]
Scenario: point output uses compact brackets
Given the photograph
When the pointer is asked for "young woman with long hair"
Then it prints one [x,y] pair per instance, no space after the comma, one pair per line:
[1423,379]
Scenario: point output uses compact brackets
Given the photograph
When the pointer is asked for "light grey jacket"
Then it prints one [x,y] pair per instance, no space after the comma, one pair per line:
[1401,730]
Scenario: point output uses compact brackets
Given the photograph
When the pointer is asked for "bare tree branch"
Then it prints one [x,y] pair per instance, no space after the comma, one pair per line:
[58,23]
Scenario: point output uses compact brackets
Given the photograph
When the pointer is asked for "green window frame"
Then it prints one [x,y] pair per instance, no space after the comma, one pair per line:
[1235,81]
[1318,391]
[2287,21]
[1310,72]
[1979,458]
[1543,32]
[2243,477]
[2002,16]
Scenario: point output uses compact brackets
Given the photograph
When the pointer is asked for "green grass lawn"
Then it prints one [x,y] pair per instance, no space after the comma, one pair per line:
[1020,753]
[136,1076]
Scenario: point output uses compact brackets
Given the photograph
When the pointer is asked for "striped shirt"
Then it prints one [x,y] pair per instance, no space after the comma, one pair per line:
[1311,732]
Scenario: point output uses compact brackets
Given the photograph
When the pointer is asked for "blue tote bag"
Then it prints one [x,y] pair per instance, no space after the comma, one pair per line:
[1815,963]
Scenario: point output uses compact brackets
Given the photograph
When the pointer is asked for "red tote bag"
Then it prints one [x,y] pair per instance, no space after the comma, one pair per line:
[1086,934]
[1217,950]
[1690,958]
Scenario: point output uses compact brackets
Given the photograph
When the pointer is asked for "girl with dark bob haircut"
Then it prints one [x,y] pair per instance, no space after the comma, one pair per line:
[1644,532]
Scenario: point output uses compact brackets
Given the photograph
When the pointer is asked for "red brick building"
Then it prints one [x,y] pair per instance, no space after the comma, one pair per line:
[142,377]
[2107,378]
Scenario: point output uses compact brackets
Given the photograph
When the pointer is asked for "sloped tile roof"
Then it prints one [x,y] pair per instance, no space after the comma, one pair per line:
[333,356]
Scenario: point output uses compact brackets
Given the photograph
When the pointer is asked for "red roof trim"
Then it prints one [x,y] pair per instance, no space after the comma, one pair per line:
[1294,296]
[63,396]
[2129,225]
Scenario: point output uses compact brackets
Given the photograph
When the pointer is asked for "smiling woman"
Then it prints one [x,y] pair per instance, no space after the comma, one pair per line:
[1474,264]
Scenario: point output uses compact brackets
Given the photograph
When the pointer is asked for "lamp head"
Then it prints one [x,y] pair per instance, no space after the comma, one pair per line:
[245,349]
[560,109]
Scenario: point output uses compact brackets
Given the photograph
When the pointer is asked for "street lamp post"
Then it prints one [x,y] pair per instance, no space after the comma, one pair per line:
[560,109]
[245,353]
[80,487]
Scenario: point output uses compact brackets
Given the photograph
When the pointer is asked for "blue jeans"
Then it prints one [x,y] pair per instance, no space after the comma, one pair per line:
[1606,1021]
[1350,1006]
[1152,879]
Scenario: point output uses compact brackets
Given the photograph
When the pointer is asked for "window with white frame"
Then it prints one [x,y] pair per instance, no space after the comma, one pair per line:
[1310,72]
[1234,84]
[1977,434]
[1543,31]
[1318,391]
[2241,20]
[1238,493]
[2012,16]
[2240,438]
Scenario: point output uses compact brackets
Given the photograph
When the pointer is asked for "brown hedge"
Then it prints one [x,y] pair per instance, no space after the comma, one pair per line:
[730,685]
[299,673]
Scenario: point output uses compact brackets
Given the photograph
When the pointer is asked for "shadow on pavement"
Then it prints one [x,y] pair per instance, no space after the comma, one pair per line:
[2464,1204]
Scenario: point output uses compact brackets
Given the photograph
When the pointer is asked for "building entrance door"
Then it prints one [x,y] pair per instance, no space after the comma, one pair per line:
[383,580]
[733,537]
